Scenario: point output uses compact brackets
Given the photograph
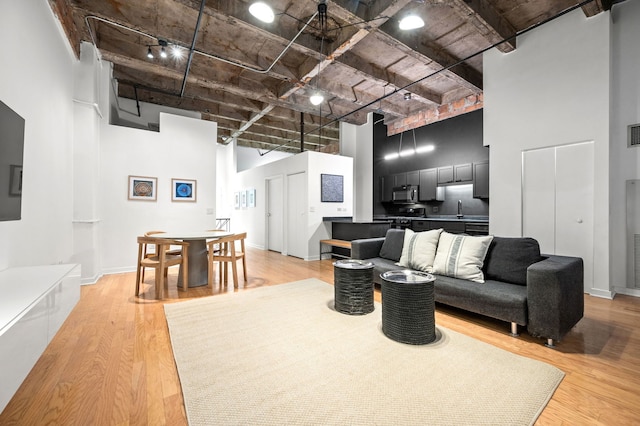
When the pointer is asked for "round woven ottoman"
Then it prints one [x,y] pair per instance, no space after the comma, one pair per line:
[408,307]
[353,286]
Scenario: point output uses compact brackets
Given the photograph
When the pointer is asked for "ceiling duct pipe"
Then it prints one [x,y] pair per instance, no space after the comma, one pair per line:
[192,49]
[302,132]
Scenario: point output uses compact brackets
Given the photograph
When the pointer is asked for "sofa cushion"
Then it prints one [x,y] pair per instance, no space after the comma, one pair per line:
[392,246]
[419,249]
[461,256]
[508,259]
[496,299]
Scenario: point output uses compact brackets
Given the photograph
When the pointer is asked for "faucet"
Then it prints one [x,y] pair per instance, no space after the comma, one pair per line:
[460,208]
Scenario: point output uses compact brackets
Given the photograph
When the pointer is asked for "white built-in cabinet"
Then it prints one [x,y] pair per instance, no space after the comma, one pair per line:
[558,203]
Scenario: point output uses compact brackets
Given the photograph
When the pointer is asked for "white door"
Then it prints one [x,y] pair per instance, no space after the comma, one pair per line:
[574,205]
[275,215]
[557,201]
[538,200]
[297,242]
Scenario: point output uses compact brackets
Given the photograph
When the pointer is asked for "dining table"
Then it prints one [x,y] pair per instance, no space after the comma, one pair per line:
[197,274]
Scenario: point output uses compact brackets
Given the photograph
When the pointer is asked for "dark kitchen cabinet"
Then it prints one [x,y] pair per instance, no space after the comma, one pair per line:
[463,172]
[386,183]
[480,180]
[399,179]
[413,178]
[420,225]
[459,173]
[428,180]
[445,175]
[453,227]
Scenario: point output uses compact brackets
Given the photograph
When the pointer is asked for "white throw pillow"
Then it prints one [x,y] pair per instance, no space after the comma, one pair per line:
[419,249]
[461,256]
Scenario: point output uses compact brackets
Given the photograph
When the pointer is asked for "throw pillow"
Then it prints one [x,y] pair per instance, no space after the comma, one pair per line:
[508,259]
[419,249]
[461,256]
[392,245]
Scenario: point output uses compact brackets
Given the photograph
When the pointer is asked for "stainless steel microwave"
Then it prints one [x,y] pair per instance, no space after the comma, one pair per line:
[405,194]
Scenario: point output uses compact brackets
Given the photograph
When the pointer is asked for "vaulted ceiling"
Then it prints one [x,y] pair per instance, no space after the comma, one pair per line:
[256,79]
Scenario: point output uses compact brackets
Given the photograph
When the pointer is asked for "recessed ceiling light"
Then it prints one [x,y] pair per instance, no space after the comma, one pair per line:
[411,22]
[262,11]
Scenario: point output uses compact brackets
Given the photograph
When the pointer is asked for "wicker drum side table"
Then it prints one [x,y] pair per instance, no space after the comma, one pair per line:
[408,307]
[353,286]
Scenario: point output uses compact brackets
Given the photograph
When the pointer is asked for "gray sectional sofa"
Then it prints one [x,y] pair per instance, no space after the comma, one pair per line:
[521,286]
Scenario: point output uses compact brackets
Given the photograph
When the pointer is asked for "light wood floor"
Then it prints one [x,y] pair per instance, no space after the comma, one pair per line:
[112,364]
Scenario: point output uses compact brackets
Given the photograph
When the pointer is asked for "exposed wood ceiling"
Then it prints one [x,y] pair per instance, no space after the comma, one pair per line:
[255,79]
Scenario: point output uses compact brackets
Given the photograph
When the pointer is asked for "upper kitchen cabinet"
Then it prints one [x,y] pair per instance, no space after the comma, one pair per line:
[413,178]
[459,173]
[463,172]
[428,184]
[481,180]
[445,175]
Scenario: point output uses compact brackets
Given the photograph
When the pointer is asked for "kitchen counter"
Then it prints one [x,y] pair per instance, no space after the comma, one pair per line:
[470,218]
[350,220]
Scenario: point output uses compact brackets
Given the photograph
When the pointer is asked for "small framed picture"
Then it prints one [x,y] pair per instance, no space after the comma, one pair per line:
[251,197]
[243,196]
[183,190]
[143,188]
[331,188]
[236,203]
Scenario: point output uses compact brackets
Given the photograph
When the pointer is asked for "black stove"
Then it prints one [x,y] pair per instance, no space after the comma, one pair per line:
[402,219]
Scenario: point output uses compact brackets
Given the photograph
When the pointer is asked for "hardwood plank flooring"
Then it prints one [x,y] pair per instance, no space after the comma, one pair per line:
[111,362]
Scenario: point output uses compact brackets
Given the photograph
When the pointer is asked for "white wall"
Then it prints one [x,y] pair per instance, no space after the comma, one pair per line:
[124,112]
[552,90]
[248,158]
[357,142]
[253,220]
[36,81]
[185,148]
[625,110]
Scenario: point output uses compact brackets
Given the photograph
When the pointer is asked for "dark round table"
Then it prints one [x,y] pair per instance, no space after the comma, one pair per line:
[408,306]
[353,286]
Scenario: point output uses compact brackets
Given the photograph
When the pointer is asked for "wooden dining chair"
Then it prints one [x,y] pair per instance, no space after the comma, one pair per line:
[216,246]
[228,253]
[161,261]
[146,249]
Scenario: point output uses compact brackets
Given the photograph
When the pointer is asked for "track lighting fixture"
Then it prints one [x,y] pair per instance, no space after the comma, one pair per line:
[163,44]
[407,96]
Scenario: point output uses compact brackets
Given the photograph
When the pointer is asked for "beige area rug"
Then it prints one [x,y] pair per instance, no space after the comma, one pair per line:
[282,356]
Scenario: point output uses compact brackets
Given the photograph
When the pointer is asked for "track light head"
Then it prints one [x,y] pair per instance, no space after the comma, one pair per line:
[316,98]
[149,52]
[262,11]
[411,22]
